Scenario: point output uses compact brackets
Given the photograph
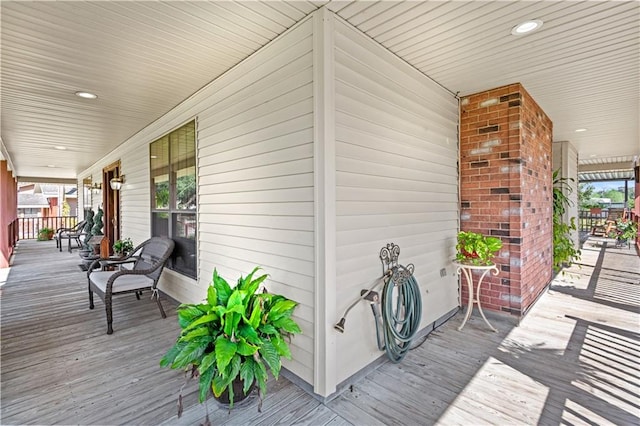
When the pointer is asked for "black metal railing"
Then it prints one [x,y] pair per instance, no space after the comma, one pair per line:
[28,227]
[587,219]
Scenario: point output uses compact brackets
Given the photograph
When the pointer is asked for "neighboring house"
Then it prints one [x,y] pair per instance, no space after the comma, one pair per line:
[44,200]
[32,205]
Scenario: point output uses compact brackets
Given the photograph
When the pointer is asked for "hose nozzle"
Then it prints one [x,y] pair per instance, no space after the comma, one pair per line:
[340,325]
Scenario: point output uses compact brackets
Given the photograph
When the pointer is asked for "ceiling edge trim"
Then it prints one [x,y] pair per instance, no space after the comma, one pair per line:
[33,179]
[4,155]
[621,166]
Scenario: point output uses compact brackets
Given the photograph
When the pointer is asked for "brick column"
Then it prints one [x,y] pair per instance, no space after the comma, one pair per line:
[506,191]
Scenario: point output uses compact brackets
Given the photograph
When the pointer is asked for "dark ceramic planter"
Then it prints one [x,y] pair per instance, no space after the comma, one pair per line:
[238,395]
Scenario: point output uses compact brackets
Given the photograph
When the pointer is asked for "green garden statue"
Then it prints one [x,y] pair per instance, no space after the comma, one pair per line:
[97,223]
[87,230]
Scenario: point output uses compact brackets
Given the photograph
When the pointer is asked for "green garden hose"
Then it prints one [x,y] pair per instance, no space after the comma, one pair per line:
[400,322]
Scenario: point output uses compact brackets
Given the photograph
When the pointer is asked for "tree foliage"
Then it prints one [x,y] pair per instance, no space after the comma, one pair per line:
[185,193]
[587,192]
[66,208]
[614,195]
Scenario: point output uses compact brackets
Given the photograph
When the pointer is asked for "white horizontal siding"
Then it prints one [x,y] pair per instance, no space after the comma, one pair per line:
[396,181]
[255,168]
[135,198]
[255,177]
[298,238]
[572,174]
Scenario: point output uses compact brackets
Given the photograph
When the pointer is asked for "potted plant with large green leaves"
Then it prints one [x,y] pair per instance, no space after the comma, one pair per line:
[230,339]
[123,247]
[476,249]
[564,251]
[623,231]
[45,234]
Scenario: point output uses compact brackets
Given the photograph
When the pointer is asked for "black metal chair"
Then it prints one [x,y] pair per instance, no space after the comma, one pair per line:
[71,233]
[147,260]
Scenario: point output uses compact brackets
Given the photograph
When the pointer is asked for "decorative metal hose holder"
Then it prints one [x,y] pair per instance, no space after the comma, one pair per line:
[398,312]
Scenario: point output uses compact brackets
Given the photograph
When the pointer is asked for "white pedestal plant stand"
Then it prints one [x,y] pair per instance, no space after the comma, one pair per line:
[467,269]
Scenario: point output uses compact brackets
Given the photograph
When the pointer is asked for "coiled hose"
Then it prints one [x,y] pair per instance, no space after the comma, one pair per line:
[400,322]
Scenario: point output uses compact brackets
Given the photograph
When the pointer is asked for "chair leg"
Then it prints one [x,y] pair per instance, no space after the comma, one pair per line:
[107,303]
[160,306]
[91,299]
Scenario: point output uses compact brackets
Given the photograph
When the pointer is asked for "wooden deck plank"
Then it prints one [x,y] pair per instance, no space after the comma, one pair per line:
[574,359]
[353,412]
[58,363]
[387,407]
[321,416]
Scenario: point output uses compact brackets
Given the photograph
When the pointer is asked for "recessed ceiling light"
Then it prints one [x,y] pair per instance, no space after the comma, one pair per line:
[51,166]
[592,156]
[60,148]
[527,27]
[86,95]
[580,130]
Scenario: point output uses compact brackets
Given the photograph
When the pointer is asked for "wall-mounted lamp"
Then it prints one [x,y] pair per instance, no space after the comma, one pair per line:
[96,187]
[116,183]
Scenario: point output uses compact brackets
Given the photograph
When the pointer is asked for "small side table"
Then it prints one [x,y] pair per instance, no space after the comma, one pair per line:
[466,270]
[113,263]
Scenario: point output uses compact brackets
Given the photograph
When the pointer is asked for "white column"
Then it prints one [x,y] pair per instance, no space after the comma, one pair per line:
[325,354]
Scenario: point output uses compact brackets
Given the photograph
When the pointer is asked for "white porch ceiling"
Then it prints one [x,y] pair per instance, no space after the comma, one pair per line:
[144,58]
[610,168]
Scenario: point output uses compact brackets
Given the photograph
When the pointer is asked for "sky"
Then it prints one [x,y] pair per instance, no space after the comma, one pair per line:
[614,184]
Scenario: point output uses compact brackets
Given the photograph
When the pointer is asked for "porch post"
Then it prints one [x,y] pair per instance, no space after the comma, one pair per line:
[325,354]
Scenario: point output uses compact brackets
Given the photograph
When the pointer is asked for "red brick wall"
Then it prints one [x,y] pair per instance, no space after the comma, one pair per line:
[8,212]
[505,172]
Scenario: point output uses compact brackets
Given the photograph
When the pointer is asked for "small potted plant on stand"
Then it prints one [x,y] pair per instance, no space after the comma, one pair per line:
[476,249]
[595,208]
[230,339]
[123,247]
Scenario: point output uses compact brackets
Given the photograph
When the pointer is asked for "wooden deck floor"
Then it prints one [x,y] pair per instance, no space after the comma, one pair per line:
[575,359]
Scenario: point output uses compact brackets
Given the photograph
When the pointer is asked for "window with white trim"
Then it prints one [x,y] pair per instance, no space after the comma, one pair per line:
[173,195]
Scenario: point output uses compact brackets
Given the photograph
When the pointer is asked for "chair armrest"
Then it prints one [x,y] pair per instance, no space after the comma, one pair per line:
[145,271]
[116,262]
[112,262]
[75,228]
